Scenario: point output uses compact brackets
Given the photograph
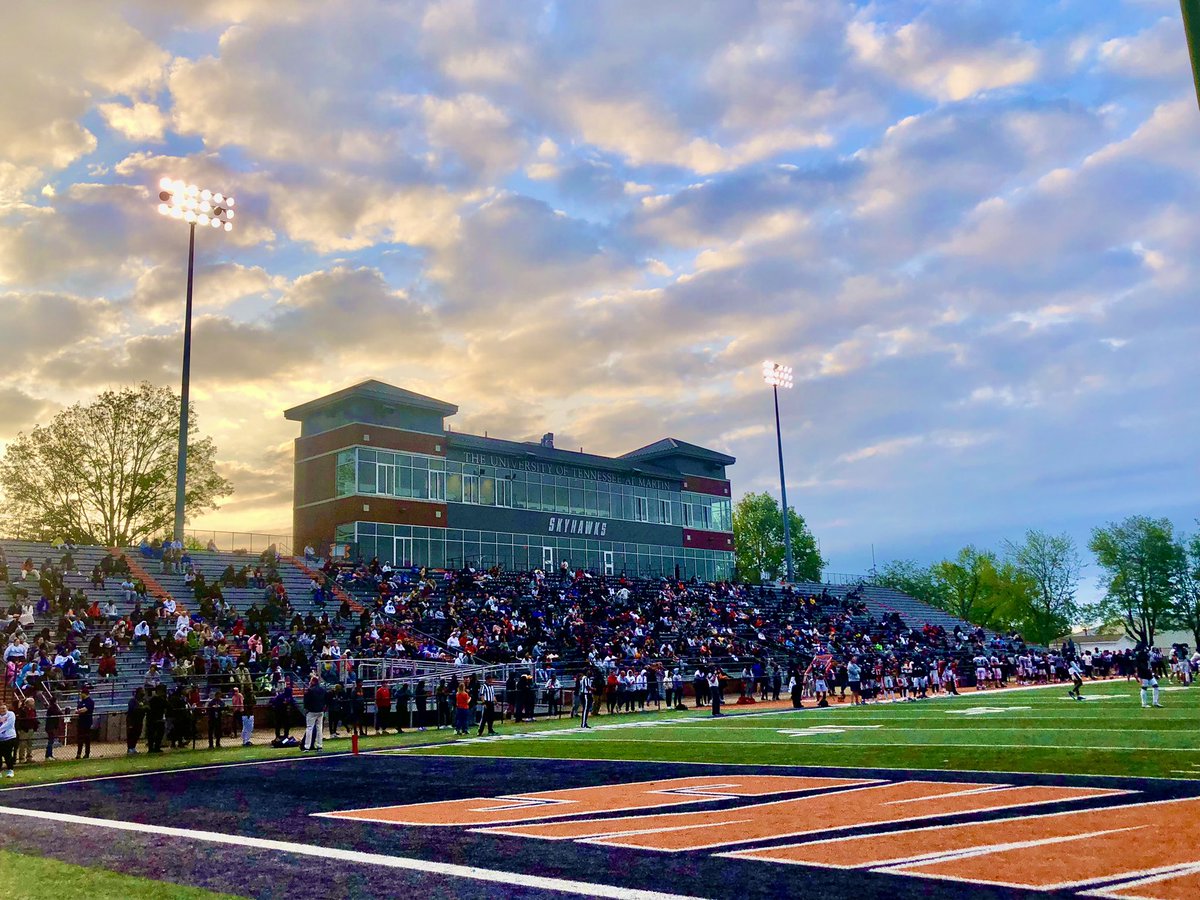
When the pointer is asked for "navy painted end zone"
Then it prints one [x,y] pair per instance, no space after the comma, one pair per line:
[277,802]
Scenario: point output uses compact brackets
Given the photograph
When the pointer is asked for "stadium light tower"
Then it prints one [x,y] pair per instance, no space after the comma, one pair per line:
[780,376]
[1191,28]
[190,204]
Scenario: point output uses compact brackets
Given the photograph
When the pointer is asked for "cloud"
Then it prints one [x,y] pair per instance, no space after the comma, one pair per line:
[931,61]
[55,64]
[1159,51]
[966,225]
[137,121]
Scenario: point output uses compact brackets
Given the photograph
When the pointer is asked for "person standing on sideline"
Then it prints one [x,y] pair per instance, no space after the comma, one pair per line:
[383,707]
[249,701]
[487,695]
[27,723]
[216,705]
[700,687]
[156,719]
[714,690]
[135,716]
[462,710]
[85,712]
[8,740]
[314,716]
[583,690]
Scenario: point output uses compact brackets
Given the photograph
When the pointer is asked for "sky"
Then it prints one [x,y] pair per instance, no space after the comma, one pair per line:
[969,226]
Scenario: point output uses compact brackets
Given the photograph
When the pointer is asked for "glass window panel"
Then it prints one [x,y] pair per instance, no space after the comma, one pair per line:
[367,455]
[345,474]
[562,499]
[487,491]
[470,489]
[366,476]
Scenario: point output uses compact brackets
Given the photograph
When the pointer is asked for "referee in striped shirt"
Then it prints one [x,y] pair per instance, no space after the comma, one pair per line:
[487,694]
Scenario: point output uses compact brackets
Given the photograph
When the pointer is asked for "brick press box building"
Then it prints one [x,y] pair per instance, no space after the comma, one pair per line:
[377,469]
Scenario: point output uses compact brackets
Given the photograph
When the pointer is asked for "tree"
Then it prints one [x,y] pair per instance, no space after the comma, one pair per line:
[104,473]
[1141,562]
[758,541]
[913,579]
[1051,563]
[966,584]
[1187,601]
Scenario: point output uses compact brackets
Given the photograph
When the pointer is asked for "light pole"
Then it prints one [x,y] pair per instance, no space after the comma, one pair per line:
[190,204]
[779,376]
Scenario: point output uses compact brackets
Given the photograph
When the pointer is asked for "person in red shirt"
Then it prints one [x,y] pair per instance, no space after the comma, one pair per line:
[383,708]
[462,710]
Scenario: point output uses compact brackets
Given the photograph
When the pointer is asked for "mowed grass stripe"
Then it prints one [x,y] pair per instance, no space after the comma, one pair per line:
[984,758]
[1115,737]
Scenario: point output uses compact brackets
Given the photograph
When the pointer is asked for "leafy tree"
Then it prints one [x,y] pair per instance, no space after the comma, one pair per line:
[913,579]
[1051,564]
[104,472]
[1141,561]
[976,587]
[1187,600]
[758,541]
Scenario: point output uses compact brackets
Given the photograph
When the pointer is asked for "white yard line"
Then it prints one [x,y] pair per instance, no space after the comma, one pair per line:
[423,866]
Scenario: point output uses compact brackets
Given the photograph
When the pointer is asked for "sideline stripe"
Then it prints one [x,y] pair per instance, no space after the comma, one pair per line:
[797,765]
[235,765]
[423,866]
[846,745]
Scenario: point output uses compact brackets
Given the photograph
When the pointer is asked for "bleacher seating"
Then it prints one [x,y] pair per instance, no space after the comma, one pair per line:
[566,619]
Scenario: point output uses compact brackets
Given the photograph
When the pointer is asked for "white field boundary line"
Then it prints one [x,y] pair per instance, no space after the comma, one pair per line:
[1122,890]
[907,770]
[842,744]
[971,727]
[233,765]
[423,866]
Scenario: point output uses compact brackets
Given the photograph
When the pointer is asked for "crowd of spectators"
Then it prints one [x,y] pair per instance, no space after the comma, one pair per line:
[645,642]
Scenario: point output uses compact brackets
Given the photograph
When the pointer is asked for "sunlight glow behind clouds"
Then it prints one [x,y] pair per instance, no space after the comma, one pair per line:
[968,226]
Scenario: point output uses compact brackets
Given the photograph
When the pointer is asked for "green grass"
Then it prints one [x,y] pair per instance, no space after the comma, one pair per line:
[25,877]
[1109,737]
[1055,735]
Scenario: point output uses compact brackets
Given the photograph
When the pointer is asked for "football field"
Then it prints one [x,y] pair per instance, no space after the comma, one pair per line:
[1006,794]
[1037,730]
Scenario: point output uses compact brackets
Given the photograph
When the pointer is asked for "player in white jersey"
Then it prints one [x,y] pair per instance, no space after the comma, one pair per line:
[1076,674]
[981,672]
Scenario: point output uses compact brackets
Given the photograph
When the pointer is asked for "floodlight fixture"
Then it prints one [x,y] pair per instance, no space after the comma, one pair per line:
[180,200]
[188,202]
[779,376]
